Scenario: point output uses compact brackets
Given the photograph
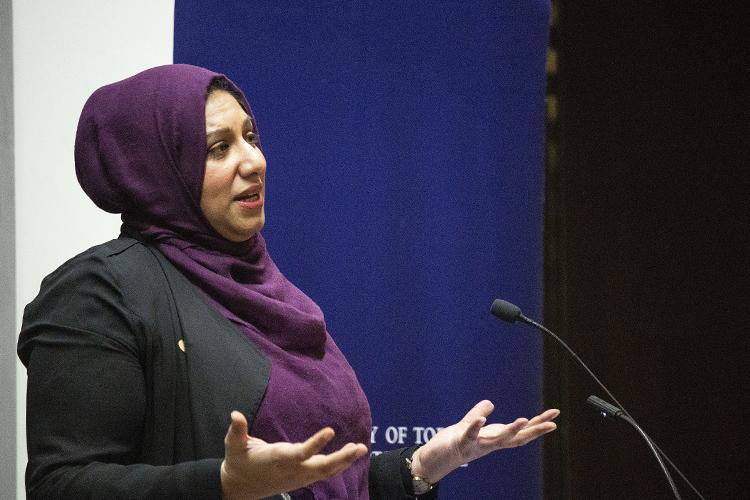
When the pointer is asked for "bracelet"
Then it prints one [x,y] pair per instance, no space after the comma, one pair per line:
[420,484]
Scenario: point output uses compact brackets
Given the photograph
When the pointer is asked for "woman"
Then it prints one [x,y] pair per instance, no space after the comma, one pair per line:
[139,349]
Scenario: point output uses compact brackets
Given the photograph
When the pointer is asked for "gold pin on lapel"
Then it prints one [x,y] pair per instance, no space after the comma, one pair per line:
[181,345]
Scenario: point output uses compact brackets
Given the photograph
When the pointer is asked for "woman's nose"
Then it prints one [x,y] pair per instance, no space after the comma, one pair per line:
[252,161]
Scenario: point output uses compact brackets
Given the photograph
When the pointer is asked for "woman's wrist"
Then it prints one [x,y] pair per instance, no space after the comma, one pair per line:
[230,490]
[424,467]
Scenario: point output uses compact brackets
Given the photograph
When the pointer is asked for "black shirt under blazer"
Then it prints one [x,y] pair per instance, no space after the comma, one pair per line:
[131,380]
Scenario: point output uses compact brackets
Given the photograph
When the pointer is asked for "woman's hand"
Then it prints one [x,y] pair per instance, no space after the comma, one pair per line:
[470,439]
[255,469]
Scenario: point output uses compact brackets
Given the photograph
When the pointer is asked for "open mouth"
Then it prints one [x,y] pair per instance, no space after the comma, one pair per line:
[248,197]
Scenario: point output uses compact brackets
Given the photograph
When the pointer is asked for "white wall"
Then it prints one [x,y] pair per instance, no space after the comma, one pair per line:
[62,51]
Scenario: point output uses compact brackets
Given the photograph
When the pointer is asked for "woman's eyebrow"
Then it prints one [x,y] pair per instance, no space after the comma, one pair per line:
[248,123]
[216,132]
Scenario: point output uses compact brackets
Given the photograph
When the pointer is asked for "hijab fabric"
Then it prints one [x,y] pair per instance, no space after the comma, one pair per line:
[140,151]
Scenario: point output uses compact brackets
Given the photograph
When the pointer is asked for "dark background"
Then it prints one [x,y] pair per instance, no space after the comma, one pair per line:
[646,245]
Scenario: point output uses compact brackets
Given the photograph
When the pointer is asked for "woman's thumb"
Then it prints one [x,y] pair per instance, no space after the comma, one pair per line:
[237,432]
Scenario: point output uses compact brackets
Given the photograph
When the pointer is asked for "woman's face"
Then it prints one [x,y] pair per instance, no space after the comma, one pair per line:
[233,191]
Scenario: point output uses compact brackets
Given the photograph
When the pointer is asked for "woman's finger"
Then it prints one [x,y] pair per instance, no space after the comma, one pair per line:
[481,409]
[517,425]
[472,430]
[501,434]
[316,443]
[545,416]
[324,466]
[533,432]
[236,438]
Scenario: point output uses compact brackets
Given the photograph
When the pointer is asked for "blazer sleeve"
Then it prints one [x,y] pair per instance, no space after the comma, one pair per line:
[389,479]
[86,397]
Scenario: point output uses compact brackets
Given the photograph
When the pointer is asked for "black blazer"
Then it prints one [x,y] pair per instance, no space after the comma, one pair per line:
[131,379]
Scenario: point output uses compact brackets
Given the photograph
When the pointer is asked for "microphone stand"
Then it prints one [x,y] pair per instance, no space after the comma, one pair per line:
[512,313]
[608,410]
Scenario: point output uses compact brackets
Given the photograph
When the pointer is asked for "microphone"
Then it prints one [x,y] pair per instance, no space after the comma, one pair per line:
[506,311]
[511,313]
[606,410]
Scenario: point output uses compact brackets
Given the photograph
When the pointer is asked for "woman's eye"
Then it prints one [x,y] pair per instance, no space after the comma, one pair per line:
[218,150]
[251,137]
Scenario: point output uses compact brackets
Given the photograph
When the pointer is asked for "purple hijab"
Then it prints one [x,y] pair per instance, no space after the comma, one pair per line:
[140,151]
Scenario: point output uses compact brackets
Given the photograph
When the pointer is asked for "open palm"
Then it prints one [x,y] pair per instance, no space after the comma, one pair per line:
[470,439]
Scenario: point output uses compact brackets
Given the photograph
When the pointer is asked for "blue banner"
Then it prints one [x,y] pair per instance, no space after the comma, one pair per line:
[405,193]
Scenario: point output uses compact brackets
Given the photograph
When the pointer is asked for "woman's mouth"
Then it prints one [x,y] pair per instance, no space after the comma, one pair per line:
[248,197]
[249,201]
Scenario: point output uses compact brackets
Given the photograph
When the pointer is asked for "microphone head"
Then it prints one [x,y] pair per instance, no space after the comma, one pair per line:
[505,310]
